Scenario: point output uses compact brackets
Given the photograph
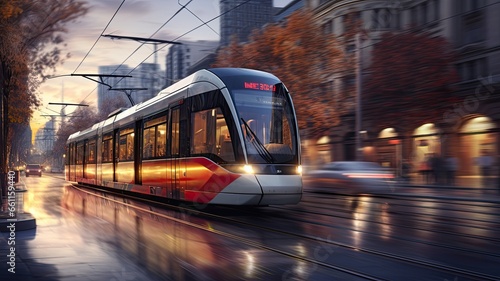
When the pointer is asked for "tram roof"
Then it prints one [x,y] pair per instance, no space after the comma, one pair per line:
[215,76]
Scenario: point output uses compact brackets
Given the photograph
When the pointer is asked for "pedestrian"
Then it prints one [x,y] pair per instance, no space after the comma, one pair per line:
[425,169]
[485,161]
[436,167]
[451,169]
[405,170]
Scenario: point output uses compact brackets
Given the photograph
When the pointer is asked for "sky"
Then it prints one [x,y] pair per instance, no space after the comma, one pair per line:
[137,18]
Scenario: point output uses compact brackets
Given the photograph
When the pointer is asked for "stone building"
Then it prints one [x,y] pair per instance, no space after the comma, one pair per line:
[467,129]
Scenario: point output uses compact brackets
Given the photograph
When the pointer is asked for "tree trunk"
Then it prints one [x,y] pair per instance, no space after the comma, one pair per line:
[4,127]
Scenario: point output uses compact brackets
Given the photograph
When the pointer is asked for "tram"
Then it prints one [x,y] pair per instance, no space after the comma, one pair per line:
[219,136]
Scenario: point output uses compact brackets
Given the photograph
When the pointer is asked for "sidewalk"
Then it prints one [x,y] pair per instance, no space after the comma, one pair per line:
[12,211]
[470,188]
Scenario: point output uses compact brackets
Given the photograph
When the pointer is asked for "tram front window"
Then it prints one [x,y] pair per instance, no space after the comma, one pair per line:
[268,126]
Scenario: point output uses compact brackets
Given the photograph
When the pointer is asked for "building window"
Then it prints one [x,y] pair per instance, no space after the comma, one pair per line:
[434,10]
[472,70]
[350,48]
[414,15]
[375,18]
[424,11]
[328,27]
[471,5]
[473,30]
[348,82]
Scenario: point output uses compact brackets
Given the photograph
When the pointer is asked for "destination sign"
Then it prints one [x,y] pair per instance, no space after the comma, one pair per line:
[259,86]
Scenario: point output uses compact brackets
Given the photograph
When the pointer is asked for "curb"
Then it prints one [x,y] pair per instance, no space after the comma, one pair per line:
[23,221]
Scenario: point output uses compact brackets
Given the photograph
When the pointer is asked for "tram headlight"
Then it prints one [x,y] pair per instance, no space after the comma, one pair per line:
[248,169]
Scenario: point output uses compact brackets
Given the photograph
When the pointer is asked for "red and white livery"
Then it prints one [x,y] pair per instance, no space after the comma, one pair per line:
[220,136]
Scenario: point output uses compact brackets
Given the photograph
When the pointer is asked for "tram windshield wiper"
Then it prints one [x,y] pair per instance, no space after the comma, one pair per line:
[261,149]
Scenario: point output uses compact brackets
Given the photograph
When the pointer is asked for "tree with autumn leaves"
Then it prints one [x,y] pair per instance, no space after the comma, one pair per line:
[301,56]
[410,77]
[30,47]
[411,80]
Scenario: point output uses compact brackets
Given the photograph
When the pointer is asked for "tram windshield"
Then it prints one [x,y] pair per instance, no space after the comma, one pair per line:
[268,125]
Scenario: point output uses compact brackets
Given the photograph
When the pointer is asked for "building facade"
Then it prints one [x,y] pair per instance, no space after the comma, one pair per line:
[45,137]
[469,128]
[147,80]
[240,17]
[181,58]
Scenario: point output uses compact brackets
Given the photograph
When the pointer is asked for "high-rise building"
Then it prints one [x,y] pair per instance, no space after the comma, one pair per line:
[240,17]
[182,57]
[146,76]
[45,137]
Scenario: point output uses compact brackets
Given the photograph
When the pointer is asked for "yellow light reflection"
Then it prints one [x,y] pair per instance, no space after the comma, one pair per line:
[386,221]
[249,264]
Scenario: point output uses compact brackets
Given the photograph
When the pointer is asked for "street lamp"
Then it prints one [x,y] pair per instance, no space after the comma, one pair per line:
[358,97]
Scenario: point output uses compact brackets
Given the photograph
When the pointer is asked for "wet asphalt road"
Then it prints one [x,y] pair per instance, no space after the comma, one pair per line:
[401,235]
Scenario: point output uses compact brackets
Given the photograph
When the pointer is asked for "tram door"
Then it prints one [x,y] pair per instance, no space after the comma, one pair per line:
[177,169]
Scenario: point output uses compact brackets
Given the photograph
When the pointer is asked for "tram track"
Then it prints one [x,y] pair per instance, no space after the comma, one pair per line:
[247,241]
[443,219]
[374,252]
[464,220]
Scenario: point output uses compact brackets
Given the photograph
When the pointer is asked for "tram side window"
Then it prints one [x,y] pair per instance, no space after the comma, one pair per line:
[210,135]
[175,132]
[66,155]
[161,140]
[126,152]
[154,138]
[72,154]
[148,143]
[91,152]
[107,149]
[79,154]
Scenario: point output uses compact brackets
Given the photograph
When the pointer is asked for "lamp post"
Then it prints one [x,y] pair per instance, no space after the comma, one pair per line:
[359,66]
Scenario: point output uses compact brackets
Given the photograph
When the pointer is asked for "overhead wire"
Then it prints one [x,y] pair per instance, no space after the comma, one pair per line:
[193,29]
[133,52]
[99,37]
[206,23]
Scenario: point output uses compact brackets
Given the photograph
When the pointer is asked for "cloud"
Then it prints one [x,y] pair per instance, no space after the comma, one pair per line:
[139,18]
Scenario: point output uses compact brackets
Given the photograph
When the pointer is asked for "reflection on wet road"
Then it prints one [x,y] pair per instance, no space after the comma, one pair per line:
[325,237]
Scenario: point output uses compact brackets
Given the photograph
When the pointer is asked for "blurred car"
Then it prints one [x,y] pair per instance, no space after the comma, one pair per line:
[350,177]
[33,169]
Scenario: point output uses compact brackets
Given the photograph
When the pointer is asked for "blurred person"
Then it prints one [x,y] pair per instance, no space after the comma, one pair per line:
[437,166]
[451,169]
[405,170]
[485,161]
[425,169]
